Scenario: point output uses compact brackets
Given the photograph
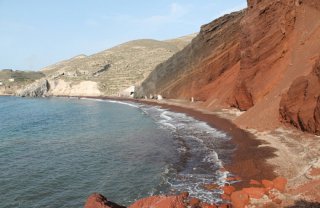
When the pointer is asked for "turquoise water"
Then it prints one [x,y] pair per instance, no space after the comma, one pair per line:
[56,152]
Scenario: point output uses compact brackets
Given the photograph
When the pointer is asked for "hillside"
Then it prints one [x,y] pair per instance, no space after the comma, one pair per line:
[11,80]
[111,71]
[251,60]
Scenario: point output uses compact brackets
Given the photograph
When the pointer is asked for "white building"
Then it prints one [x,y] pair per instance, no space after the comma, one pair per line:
[11,80]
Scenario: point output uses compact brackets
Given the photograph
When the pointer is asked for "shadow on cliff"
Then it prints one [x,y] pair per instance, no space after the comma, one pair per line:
[305,204]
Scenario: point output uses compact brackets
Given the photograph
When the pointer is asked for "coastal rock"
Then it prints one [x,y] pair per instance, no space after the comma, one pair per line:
[96,200]
[194,202]
[300,106]
[253,192]
[267,184]
[239,199]
[11,81]
[254,182]
[39,88]
[228,189]
[160,202]
[280,183]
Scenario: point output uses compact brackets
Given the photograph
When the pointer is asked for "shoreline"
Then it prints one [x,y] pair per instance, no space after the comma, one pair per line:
[248,162]
[260,155]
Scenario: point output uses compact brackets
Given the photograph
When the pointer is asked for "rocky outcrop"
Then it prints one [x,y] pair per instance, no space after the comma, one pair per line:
[300,106]
[267,193]
[161,201]
[96,200]
[13,80]
[61,87]
[39,88]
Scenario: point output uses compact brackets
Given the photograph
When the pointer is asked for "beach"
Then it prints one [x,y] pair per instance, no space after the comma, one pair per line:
[260,155]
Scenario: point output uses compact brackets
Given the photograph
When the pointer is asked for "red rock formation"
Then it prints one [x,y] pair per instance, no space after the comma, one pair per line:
[280,184]
[265,32]
[279,38]
[160,201]
[99,201]
[301,105]
[239,199]
[256,193]
[197,71]
[228,189]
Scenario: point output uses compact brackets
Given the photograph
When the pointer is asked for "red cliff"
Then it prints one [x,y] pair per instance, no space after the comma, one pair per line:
[248,60]
[300,106]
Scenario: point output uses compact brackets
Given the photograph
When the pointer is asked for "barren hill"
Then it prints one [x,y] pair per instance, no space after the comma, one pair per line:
[111,71]
[11,80]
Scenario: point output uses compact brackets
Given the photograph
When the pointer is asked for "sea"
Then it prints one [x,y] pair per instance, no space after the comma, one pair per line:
[55,152]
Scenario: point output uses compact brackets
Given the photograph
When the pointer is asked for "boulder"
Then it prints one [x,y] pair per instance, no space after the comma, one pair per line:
[256,193]
[267,184]
[160,202]
[96,200]
[254,182]
[194,202]
[280,183]
[228,189]
[239,199]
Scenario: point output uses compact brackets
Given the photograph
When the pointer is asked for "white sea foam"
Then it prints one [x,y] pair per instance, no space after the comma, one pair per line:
[112,101]
[123,103]
[196,142]
[165,116]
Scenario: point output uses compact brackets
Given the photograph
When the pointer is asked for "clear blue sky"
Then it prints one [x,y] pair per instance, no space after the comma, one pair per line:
[37,33]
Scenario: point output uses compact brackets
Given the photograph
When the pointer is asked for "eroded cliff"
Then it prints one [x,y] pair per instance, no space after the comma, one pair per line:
[300,106]
[247,60]
[211,58]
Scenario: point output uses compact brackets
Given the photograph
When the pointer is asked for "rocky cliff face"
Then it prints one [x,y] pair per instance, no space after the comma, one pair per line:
[211,58]
[247,60]
[300,106]
[263,45]
[11,81]
[280,43]
[39,88]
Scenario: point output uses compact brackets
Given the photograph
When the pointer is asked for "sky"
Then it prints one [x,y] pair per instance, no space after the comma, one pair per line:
[37,33]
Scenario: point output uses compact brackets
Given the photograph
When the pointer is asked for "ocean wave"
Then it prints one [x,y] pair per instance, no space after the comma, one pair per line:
[112,101]
[197,145]
[200,163]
